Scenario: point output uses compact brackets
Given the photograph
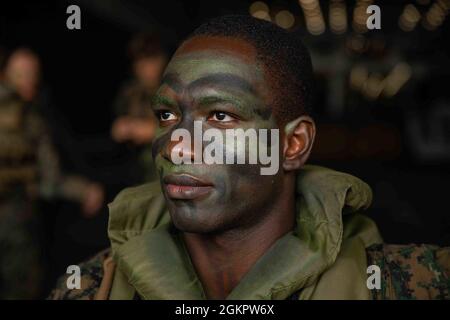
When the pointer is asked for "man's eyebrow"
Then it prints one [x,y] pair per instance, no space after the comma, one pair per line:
[211,100]
[173,82]
[224,80]
[217,99]
[162,100]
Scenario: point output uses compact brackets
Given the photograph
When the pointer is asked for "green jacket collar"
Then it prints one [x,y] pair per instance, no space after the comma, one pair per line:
[155,263]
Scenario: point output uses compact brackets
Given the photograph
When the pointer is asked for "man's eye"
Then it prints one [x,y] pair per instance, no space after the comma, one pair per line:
[166,116]
[221,117]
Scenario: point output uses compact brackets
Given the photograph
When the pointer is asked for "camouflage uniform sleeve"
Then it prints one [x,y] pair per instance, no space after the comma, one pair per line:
[91,277]
[411,271]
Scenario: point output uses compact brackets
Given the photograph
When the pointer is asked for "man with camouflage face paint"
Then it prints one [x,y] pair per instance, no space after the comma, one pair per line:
[225,231]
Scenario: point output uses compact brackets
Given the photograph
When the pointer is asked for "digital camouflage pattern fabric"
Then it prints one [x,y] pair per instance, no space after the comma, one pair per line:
[412,271]
[408,272]
[91,277]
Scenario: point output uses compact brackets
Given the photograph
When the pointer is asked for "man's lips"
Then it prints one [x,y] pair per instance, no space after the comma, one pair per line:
[186,187]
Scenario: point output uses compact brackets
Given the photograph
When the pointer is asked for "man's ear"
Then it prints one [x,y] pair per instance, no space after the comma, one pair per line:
[298,141]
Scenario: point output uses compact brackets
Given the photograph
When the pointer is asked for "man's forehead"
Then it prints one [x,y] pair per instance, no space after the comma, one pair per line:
[221,44]
[201,56]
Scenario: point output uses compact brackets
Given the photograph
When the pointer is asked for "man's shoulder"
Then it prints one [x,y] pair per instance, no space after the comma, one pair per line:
[411,271]
[144,191]
[92,272]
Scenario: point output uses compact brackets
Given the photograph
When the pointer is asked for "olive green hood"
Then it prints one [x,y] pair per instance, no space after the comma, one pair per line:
[323,258]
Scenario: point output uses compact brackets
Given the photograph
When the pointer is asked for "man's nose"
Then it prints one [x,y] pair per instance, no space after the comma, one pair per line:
[183,148]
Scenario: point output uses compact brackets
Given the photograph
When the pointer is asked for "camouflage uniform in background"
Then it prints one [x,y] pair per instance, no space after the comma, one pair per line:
[29,168]
[19,255]
[135,101]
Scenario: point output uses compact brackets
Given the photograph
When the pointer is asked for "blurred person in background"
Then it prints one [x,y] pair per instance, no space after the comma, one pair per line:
[135,122]
[29,169]
[20,265]
[23,74]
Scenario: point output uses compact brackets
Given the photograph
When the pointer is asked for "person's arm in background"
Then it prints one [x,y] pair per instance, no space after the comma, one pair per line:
[53,183]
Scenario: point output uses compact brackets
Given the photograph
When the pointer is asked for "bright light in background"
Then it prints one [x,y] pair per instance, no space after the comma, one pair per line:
[396,79]
[358,76]
[284,19]
[360,15]
[260,10]
[258,6]
[409,18]
[313,16]
[372,85]
[436,14]
[338,17]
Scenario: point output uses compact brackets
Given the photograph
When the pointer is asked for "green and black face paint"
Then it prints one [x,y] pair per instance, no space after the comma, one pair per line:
[223,89]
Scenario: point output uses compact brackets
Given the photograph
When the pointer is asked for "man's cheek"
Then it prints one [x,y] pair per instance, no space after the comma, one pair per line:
[237,181]
[159,143]
[156,147]
[162,166]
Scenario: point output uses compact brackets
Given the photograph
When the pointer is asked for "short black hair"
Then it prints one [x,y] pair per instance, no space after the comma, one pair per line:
[280,51]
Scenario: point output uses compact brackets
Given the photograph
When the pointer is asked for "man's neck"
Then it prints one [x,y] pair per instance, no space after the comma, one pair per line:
[222,260]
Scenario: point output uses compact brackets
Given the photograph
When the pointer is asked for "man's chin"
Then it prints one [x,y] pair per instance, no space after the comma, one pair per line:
[189,223]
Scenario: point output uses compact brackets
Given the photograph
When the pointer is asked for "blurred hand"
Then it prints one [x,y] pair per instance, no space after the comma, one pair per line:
[121,129]
[137,130]
[142,131]
[93,200]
